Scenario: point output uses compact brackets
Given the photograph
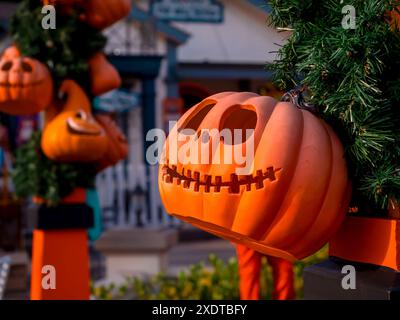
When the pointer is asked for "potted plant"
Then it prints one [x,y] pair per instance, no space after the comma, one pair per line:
[58,165]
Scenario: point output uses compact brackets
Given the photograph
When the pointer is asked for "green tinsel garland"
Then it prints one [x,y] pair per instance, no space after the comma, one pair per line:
[354,76]
[65,51]
[36,175]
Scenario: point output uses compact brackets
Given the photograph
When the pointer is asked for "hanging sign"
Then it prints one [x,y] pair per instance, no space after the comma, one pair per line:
[207,11]
[116,101]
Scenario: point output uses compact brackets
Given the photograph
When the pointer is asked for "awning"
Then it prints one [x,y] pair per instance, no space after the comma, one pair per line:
[222,71]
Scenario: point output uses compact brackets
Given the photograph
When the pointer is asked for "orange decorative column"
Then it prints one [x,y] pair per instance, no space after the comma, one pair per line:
[250,269]
[66,251]
[364,262]
[368,240]
[60,258]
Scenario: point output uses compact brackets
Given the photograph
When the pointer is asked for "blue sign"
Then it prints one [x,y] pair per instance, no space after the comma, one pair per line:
[208,11]
[116,101]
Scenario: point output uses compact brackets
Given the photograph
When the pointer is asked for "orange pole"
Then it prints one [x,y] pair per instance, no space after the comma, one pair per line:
[250,270]
[67,252]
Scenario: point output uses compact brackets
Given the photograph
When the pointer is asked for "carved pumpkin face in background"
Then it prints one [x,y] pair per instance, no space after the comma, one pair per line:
[296,195]
[101,14]
[103,75]
[118,144]
[74,135]
[26,86]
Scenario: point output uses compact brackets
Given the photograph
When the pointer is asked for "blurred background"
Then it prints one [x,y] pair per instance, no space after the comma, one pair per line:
[170,58]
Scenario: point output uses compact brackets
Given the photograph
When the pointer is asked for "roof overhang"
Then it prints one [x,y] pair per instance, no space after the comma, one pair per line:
[261,4]
[139,65]
[172,33]
[221,71]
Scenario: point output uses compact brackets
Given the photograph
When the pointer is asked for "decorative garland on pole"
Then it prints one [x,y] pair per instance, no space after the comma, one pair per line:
[59,71]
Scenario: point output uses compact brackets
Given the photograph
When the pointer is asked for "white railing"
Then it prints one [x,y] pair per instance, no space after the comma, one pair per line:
[129,196]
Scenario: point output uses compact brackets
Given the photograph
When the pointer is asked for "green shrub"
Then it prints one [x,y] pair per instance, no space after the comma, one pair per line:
[214,280]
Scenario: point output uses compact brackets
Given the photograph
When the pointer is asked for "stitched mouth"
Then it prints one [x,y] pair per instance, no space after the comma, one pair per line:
[187,178]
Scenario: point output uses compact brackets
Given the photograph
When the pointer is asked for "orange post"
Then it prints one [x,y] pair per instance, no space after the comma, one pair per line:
[249,273]
[65,249]
[368,240]
[67,252]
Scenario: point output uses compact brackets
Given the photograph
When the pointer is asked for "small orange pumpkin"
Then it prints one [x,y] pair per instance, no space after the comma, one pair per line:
[101,14]
[293,199]
[118,144]
[74,135]
[26,86]
[103,75]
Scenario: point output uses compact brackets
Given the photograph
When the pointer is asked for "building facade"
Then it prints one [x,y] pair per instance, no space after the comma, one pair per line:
[176,53]
[171,55]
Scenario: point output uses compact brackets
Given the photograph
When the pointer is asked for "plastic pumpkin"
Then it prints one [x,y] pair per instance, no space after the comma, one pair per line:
[118,144]
[26,86]
[101,14]
[74,135]
[292,200]
[103,75]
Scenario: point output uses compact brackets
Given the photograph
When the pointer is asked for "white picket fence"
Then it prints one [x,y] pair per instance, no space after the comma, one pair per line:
[129,196]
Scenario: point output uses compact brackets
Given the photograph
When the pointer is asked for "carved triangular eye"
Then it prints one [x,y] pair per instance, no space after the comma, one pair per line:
[26,67]
[197,117]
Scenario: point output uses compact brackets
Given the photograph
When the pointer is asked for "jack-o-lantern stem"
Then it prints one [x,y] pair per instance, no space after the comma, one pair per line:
[296,97]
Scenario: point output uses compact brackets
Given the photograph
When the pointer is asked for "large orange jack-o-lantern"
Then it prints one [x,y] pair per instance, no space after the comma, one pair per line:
[118,144]
[74,135]
[26,86]
[296,194]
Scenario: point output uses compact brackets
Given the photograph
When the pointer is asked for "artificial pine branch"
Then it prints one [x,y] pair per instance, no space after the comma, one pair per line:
[36,175]
[354,76]
[65,51]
